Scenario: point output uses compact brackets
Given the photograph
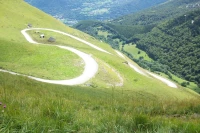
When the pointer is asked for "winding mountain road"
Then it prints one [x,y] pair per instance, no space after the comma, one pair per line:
[91,66]
[26,35]
[166,81]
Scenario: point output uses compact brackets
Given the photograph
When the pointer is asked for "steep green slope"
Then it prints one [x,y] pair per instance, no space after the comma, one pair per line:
[11,36]
[97,106]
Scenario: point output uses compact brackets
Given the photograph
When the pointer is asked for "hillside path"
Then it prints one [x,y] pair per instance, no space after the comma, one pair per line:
[63,33]
[166,81]
[91,66]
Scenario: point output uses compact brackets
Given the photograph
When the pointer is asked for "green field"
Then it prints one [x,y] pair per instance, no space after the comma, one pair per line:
[136,53]
[40,61]
[142,104]
[38,107]
[103,33]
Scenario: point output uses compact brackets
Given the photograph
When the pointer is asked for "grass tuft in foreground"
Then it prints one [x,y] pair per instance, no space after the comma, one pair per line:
[38,107]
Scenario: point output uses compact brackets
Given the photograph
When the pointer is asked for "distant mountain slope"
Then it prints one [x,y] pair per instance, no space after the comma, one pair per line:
[143,21]
[156,14]
[176,43]
[91,9]
[144,29]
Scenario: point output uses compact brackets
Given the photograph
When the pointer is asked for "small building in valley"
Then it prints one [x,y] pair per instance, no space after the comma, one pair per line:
[52,39]
[29,25]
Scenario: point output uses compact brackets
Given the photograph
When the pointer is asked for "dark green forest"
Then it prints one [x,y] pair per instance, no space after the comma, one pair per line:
[141,22]
[144,21]
[176,43]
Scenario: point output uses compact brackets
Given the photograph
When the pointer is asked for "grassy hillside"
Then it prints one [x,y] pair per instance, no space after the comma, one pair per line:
[142,104]
[37,107]
[136,53]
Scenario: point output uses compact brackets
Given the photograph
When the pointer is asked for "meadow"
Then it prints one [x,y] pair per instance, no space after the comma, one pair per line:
[142,104]
[136,53]
[38,107]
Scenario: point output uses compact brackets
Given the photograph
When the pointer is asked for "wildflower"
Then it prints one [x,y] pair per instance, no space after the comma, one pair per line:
[4,106]
[0,103]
